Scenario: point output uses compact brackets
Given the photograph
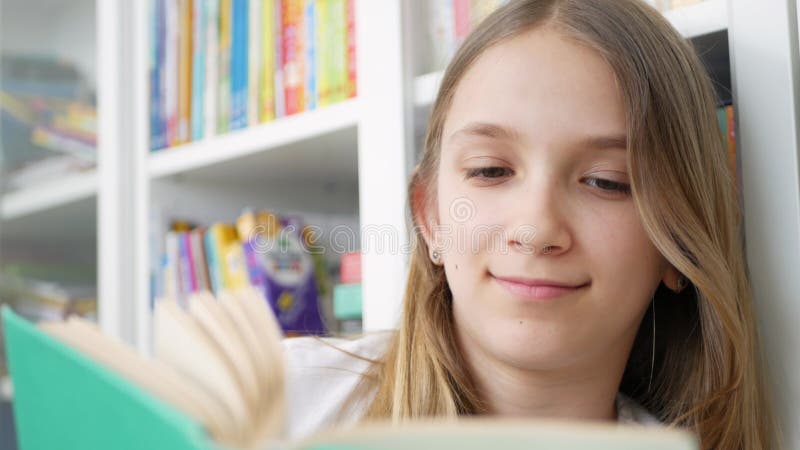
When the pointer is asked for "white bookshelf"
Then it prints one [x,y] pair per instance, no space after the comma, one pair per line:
[309,134]
[364,147]
[702,18]
[51,195]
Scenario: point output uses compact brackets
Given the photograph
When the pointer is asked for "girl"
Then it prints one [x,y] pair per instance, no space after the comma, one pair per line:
[578,251]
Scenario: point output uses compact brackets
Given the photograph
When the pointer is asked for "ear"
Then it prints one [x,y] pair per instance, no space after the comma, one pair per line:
[422,208]
[673,277]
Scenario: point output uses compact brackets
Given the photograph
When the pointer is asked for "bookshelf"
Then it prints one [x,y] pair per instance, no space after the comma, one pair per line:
[349,162]
[309,133]
[702,18]
[53,195]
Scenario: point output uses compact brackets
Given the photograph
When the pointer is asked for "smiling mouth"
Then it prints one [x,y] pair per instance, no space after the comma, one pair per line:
[536,290]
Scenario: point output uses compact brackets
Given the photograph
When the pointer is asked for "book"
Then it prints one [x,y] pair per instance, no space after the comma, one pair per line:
[254,65]
[293,55]
[199,42]
[309,46]
[211,68]
[228,393]
[266,58]
[158,125]
[184,71]
[224,61]
[239,63]
[171,75]
[227,390]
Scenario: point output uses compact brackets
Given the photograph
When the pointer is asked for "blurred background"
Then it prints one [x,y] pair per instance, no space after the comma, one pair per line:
[153,149]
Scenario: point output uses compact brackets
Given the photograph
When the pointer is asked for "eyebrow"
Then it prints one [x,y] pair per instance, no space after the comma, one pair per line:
[488,130]
[605,142]
[502,133]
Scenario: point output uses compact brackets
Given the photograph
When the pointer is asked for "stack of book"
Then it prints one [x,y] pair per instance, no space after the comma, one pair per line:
[220,65]
[48,121]
[262,250]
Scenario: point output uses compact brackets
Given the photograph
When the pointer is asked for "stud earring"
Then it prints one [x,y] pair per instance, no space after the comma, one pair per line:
[682,282]
[435,256]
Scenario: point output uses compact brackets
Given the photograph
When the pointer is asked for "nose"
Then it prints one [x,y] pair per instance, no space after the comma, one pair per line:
[540,224]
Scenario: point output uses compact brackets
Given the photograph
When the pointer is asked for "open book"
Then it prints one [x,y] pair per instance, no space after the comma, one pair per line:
[217,381]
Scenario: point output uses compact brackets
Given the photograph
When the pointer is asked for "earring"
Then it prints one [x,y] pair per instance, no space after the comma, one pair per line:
[435,256]
[682,282]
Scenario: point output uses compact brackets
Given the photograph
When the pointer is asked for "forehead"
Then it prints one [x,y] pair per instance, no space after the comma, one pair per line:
[541,83]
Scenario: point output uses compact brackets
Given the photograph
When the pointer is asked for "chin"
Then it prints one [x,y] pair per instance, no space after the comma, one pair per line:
[522,343]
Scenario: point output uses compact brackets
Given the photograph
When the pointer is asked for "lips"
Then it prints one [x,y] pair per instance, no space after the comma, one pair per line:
[537,288]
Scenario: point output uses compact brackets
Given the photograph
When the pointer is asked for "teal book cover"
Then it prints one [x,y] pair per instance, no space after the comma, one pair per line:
[64,400]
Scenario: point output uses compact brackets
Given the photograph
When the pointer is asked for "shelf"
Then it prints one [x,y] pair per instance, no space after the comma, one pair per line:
[426,87]
[46,196]
[314,145]
[703,18]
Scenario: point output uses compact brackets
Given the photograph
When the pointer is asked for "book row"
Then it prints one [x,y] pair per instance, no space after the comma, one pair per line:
[222,65]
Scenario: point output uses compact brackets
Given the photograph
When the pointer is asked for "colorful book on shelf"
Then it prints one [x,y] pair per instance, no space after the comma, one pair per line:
[279,81]
[158,125]
[254,67]
[309,47]
[239,63]
[199,264]
[171,75]
[217,238]
[211,67]
[266,99]
[224,88]
[338,71]
[275,255]
[293,55]
[322,41]
[198,69]
[228,392]
[221,65]
[352,61]
[188,277]
[184,71]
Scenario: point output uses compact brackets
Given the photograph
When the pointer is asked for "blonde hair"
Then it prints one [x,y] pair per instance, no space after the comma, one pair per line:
[707,374]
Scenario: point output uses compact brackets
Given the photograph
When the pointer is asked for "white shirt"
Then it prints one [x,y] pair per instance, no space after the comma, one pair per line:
[320,378]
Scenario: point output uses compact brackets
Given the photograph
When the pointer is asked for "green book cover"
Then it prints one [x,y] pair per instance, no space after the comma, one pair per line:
[64,400]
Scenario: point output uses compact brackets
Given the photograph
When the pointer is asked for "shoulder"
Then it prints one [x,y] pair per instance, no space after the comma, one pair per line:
[321,375]
[631,412]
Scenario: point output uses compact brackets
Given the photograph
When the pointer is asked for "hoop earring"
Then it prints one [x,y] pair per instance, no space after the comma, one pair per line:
[653,351]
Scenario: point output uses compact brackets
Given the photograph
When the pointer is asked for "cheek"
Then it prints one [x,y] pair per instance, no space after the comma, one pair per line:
[626,265]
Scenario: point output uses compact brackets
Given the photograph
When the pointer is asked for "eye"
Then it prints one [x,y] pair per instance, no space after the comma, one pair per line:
[609,186]
[488,173]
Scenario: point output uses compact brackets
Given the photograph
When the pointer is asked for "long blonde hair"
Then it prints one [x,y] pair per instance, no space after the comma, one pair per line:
[707,374]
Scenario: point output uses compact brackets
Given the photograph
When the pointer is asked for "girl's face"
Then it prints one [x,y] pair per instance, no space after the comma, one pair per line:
[533,154]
